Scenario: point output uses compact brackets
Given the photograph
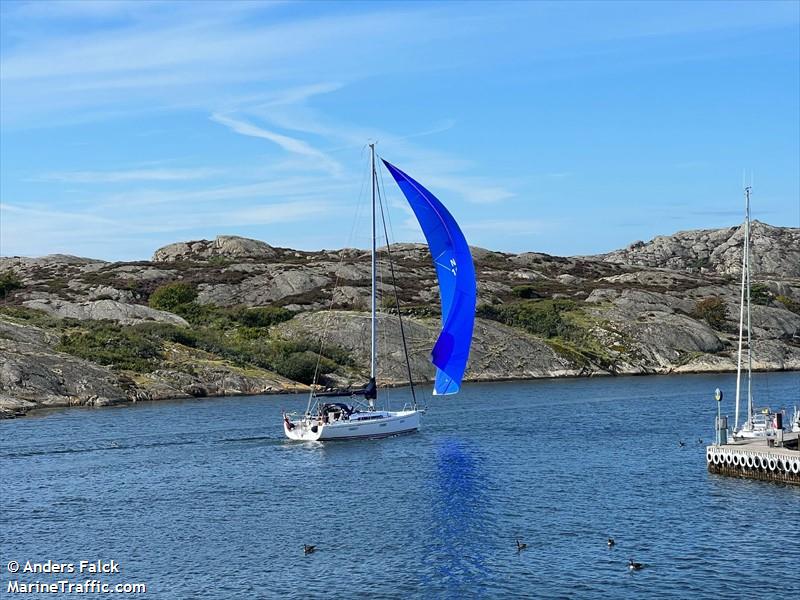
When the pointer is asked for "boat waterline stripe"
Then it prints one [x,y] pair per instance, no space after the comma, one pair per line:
[369,436]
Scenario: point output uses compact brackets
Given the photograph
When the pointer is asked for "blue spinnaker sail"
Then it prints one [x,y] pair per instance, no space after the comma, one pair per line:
[457,287]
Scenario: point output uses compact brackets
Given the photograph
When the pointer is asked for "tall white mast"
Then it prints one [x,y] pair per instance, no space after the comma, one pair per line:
[747,271]
[373,334]
[745,286]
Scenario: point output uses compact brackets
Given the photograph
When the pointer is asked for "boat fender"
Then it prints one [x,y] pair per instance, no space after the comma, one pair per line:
[735,460]
[728,459]
[796,466]
[709,456]
[773,464]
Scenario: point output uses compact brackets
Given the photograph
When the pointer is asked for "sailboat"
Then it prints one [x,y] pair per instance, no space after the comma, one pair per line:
[763,423]
[328,420]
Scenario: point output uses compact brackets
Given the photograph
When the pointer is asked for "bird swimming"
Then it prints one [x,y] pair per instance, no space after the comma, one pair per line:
[521,546]
[611,542]
[635,566]
[681,444]
[308,549]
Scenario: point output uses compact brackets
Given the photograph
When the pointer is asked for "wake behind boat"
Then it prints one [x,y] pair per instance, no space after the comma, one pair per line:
[325,420]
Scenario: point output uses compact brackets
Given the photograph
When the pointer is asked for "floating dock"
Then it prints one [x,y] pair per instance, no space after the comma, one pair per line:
[759,459]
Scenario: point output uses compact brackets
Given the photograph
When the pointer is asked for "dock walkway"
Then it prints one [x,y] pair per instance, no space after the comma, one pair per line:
[756,459]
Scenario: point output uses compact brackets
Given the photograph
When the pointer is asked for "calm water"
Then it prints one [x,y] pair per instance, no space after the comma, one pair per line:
[205,499]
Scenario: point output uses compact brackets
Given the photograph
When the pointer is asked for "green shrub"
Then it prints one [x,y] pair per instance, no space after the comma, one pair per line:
[265,316]
[791,304]
[540,317]
[9,281]
[207,315]
[712,310]
[300,366]
[33,316]
[220,332]
[172,295]
[525,291]
[108,344]
[166,332]
[760,294]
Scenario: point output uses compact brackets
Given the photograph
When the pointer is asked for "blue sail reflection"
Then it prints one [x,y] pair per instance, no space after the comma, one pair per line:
[457,552]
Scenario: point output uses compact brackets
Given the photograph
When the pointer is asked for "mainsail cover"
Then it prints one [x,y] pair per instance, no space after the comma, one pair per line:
[457,287]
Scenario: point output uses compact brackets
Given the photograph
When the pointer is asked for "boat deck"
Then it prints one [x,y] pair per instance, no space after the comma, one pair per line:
[755,459]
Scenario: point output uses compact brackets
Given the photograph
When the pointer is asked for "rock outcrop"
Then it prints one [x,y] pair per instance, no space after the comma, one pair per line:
[105,310]
[633,311]
[227,246]
[34,374]
[774,250]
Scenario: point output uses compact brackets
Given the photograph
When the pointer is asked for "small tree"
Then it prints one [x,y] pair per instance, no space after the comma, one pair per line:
[9,281]
[712,310]
[171,296]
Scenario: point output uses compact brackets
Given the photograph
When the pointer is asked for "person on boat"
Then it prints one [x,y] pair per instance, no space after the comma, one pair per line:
[289,424]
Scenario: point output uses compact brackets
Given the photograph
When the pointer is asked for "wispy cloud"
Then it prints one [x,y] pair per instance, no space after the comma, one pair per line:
[131,175]
[42,211]
[471,189]
[290,144]
[509,226]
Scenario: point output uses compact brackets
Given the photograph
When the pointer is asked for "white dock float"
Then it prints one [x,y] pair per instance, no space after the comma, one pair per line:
[755,459]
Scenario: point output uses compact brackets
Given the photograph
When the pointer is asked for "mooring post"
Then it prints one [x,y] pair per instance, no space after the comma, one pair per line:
[722,422]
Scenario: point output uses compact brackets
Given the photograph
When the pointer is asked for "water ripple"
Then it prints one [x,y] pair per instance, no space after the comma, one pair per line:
[206,499]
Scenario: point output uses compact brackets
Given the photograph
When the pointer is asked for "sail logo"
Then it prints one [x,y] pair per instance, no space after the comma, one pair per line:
[452,267]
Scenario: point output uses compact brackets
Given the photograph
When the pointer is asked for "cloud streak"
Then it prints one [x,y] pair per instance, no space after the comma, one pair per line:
[290,144]
[127,176]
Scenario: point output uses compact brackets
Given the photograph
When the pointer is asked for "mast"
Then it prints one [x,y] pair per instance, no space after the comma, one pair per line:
[749,348]
[373,320]
[745,285]
[745,302]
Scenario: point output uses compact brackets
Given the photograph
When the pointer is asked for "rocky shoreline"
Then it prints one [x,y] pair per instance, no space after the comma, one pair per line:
[11,408]
[84,332]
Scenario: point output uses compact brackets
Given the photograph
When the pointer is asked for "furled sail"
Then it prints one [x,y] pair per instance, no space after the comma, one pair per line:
[456,274]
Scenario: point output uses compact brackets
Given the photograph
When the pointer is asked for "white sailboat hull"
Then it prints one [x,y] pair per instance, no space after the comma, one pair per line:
[363,426]
[754,433]
[758,426]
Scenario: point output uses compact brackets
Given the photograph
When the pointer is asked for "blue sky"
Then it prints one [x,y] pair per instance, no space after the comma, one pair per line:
[567,128]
